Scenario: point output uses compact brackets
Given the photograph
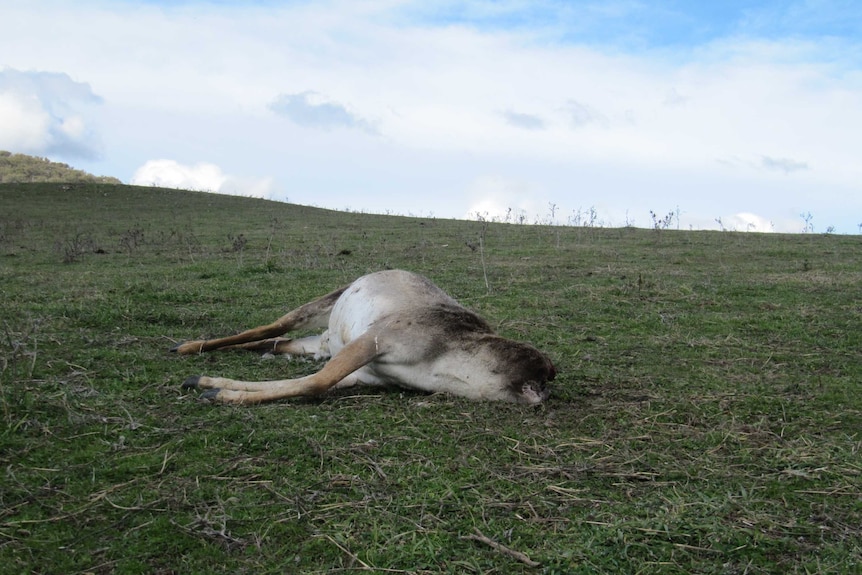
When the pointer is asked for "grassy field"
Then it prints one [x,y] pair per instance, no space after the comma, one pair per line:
[706,417]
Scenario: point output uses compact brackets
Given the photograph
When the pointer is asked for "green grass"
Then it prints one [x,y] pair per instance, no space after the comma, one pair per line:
[706,417]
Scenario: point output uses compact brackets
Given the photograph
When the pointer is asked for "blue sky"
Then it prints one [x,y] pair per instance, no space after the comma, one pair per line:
[632,25]
[743,113]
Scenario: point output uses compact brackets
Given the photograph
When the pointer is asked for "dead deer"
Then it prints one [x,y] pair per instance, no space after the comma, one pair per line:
[386,328]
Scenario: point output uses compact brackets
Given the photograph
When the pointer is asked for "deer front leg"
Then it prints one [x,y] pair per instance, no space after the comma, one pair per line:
[353,356]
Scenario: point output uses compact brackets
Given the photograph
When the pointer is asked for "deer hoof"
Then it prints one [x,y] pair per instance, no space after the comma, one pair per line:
[188,347]
[210,394]
[192,382]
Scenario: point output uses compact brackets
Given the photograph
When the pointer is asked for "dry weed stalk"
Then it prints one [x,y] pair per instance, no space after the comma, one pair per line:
[502,549]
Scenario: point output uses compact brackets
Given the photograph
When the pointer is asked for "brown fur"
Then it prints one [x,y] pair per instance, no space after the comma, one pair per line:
[387,328]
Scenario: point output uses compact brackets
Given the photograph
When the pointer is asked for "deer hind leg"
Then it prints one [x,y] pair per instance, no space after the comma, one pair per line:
[340,368]
[316,346]
[314,314]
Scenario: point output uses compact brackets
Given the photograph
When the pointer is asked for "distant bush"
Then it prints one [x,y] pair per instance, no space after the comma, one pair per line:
[21,168]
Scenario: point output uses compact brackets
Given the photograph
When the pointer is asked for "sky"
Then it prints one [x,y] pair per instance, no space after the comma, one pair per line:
[728,115]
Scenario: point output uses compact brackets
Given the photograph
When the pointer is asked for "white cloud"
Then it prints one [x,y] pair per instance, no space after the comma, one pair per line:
[745,222]
[46,113]
[503,199]
[203,176]
[252,187]
[25,124]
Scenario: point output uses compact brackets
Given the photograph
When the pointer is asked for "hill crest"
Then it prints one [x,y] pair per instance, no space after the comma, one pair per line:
[21,168]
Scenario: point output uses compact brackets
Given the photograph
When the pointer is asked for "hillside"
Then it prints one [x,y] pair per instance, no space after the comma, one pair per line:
[21,168]
[705,416]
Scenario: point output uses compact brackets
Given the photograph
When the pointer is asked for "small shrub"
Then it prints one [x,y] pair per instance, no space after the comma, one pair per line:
[73,249]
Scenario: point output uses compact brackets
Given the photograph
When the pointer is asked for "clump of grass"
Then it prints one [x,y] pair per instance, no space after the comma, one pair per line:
[238,244]
[19,351]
